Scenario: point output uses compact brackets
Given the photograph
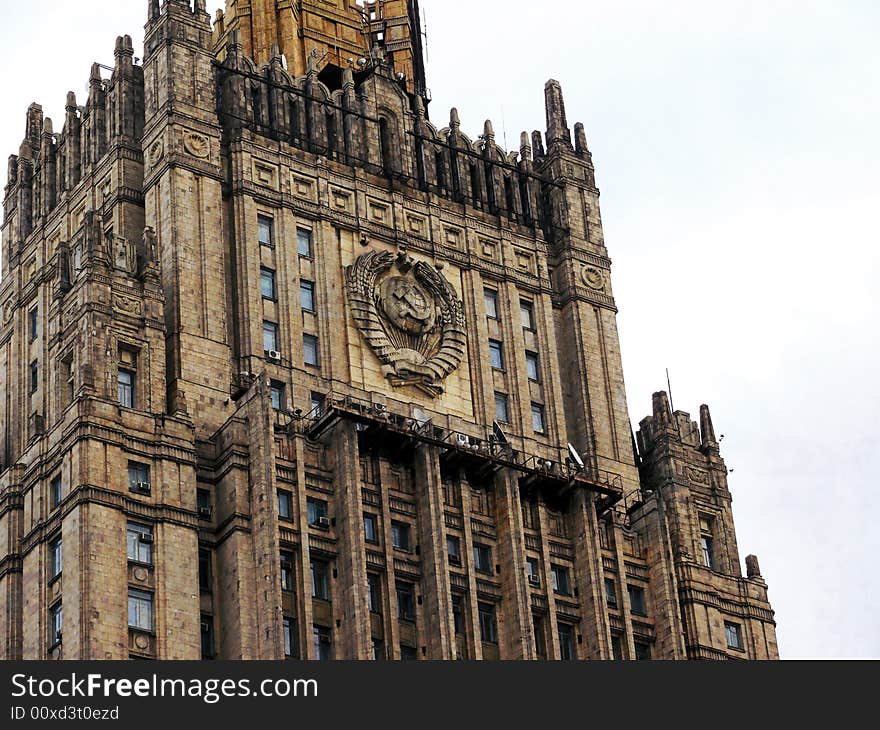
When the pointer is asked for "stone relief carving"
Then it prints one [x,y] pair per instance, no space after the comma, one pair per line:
[593,278]
[410,316]
[695,475]
[8,311]
[197,144]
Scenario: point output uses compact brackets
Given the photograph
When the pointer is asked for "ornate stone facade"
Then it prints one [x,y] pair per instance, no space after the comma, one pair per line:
[287,370]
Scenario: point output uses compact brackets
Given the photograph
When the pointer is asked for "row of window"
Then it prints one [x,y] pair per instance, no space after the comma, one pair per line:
[526,308]
[271,344]
[269,290]
[266,235]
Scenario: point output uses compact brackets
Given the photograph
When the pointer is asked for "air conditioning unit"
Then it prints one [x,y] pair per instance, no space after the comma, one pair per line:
[454,560]
[324,522]
[274,356]
[146,539]
[141,487]
[205,512]
[534,580]
[463,440]
[58,635]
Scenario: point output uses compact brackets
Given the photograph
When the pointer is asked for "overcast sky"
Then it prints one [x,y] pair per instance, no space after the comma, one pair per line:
[736,147]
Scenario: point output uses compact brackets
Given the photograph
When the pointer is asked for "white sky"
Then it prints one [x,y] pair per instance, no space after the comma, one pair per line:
[736,147]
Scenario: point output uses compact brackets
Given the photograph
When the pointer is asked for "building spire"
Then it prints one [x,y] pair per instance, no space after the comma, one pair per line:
[558,132]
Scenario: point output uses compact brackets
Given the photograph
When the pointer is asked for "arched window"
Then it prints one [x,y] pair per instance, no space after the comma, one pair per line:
[295,123]
[332,136]
[385,145]
[476,192]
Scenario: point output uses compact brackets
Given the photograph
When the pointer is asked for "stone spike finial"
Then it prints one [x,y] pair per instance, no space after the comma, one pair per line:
[454,119]
[47,126]
[753,569]
[707,429]
[580,139]
[537,144]
[95,74]
[557,122]
[347,78]
[71,102]
[153,12]
[662,410]
[489,131]
[525,147]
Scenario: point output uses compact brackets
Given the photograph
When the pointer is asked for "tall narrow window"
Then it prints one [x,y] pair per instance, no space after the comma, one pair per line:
[637,600]
[509,202]
[267,284]
[277,395]
[400,536]
[320,580]
[54,559]
[266,231]
[532,367]
[69,379]
[539,421]
[139,539]
[707,544]
[491,297]
[285,505]
[540,639]
[476,192]
[139,477]
[318,512]
[385,145]
[566,643]
[440,167]
[561,580]
[502,410]
[270,337]
[643,651]
[286,572]
[453,549]
[310,351]
[55,490]
[406,603]
[35,376]
[374,589]
[371,529]
[56,623]
[527,311]
[525,199]
[126,383]
[490,186]
[482,559]
[533,571]
[207,625]
[496,355]
[488,623]
[206,580]
[734,635]
[140,610]
[610,593]
[323,644]
[34,321]
[295,123]
[332,137]
[289,629]
[307,295]
[458,613]
[304,242]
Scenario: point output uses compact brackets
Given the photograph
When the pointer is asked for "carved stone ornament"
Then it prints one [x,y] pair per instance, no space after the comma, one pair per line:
[197,144]
[695,475]
[8,311]
[157,150]
[410,316]
[593,278]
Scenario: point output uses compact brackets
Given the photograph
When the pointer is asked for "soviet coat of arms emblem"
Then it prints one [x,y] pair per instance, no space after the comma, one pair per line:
[410,316]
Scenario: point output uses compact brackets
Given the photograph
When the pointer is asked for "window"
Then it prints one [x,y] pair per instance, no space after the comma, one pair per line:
[610,593]
[566,643]
[266,228]
[267,284]
[320,580]
[408,653]
[502,411]
[285,505]
[286,572]
[637,600]
[270,337]
[139,539]
[140,610]
[277,394]
[482,559]
[458,614]
[138,477]
[203,502]
[532,367]
[304,242]
[289,629]
[205,579]
[488,624]
[533,570]
[307,295]
[55,625]
[540,639]
[55,490]
[54,559]
[126,381]
[34,321]
[317,513]
[539,421]
[491,297]
[496,354]
[643,651]
[69,378]
[453,549]
[706,545]
[371,529]
[317,402]
[406,603]
[207,637]
[527,311]
[616,647]
[374,588]
[400,536]
[734,635]
[310,350]
[323,645]
[35,376]
[561,581]
[378,650]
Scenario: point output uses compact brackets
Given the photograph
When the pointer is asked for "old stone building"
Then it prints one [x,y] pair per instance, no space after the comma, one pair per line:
[288,369]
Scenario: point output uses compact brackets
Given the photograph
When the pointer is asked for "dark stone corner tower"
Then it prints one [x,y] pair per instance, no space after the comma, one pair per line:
[287,369]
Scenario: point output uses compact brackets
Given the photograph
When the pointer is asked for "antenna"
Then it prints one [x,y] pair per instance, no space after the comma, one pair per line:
[669,385]
[504,130]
